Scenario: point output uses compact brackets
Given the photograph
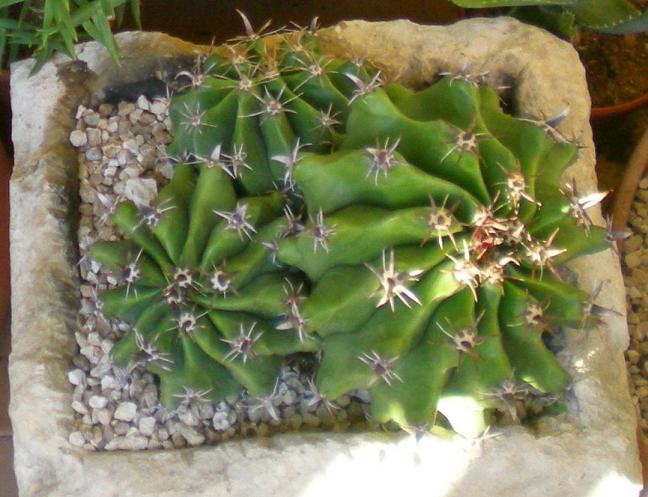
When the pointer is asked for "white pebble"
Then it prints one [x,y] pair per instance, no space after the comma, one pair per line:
[121,427]
[79,407]
[125,108]
[205,410]
[101,416]
[94,339]
[102,369]
[192,436]
[77,439]
[106,346]
[78,392]
[147,425]
[163,434]
[98,402]
[166,170]
[91,118]
[92,381]
[90,353]
[131,145]
[122,157]
[149,396]
[93,154]
[94,136]
[188,418]
[158,108]
[362,395]
[80,111]
[126,411]
[78,138]
[143,103]
[141,191]
[108,383]
[76,377]
[221,421]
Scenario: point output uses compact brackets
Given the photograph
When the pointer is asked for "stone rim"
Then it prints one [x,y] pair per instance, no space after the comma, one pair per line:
[42,196]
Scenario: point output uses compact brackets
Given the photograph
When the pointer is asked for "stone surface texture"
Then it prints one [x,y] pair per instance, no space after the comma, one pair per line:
[589,451]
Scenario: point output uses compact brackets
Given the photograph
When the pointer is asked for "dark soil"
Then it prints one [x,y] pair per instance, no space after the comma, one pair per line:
[202,21]
[617,66]
[617,72]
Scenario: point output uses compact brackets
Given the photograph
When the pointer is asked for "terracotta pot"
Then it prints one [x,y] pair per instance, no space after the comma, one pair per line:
[5,172]
[5,112]
[627,189]
[619,109]
[643,455]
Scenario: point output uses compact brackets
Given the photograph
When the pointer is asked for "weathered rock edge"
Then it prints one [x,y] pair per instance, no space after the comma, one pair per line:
[589,451]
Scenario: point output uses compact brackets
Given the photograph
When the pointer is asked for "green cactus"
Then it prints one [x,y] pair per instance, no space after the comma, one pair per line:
[412,239]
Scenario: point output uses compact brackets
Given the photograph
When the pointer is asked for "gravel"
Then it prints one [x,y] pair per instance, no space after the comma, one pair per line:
[121,156]
[635,269]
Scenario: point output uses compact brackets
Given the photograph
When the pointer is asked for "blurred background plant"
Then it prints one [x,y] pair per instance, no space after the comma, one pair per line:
[565,17]
[39,28]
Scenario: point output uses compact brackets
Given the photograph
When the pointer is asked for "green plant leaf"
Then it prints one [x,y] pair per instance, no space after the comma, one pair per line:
[65,28]
[7,3]
[105,35]
[21,26]
[25,38]
[41,57]
[86,11]
[636,25]
[3,44]
[91,30]
[551,17]
[7,23]
[603,14]
[136,13]
[478,4]
[119,15]
[49,12]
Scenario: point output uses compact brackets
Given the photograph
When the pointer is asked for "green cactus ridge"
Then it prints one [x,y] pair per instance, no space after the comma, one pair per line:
[411,239]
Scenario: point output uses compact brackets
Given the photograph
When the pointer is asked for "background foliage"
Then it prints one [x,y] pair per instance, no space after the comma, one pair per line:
[43,27]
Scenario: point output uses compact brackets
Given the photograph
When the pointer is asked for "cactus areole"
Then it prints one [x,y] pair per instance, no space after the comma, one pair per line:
[410,240]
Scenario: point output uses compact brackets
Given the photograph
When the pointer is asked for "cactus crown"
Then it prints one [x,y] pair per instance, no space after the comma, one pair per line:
[412,238]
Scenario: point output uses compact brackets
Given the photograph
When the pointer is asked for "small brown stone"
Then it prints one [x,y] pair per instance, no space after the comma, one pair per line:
[633,244]
[633,356]
[105,109]
[179,441]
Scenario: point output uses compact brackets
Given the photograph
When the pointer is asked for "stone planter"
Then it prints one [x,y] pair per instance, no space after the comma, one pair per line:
[590,450]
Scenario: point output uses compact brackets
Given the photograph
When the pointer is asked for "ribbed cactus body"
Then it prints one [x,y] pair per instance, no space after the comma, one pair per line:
[410,237]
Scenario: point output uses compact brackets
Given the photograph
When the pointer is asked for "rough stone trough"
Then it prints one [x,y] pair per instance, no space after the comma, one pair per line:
[588,451]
